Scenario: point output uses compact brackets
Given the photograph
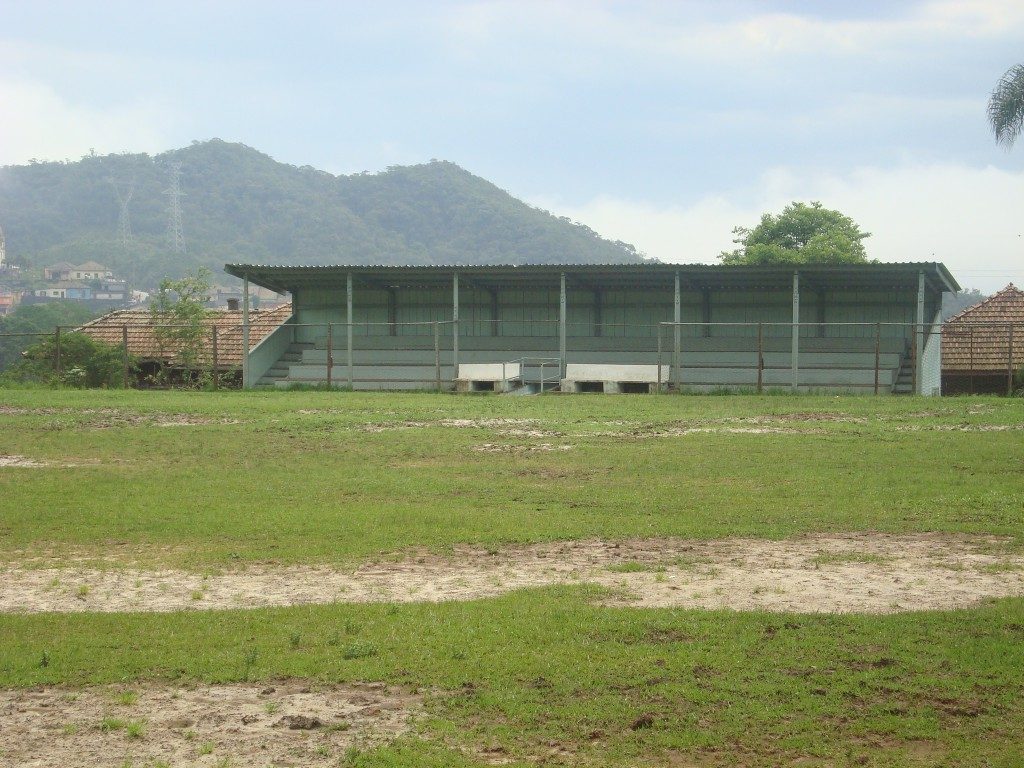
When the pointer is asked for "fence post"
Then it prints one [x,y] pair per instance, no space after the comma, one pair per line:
[760,358]
[794,354]
[1009,360]
[56,342]
[913,358]
[348,327]
[330,355]
[124,356]
[878,352]
[437,355]
[971,329]
[216,358]
[659,358]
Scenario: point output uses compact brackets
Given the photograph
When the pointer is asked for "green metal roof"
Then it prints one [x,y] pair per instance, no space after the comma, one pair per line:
[287,278]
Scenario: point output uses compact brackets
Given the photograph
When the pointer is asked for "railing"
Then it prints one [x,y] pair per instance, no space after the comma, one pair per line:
[757,356]
[534,362]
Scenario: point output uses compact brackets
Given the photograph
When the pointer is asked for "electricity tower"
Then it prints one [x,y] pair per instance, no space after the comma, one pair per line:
[124,222]
[175,237]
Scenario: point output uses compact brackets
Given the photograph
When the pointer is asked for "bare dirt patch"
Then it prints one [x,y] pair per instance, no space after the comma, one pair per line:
[390,426]
[285,723]
[839,573]
[521,447]
[19,461]
[110,418]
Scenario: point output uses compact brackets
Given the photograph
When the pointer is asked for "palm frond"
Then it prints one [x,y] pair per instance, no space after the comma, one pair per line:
[1006,106]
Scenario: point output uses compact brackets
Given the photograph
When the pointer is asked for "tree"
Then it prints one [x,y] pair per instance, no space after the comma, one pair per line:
[178,314]
[801,234]
[1006,106]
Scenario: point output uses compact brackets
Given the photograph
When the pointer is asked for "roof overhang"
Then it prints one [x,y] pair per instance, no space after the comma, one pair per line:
[284,278]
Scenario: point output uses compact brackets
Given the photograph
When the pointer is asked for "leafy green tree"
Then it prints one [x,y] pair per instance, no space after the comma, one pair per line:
[1006,106]
[801,234]
[178,313]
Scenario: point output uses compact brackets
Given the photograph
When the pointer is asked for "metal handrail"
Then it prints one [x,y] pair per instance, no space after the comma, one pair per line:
[535,361]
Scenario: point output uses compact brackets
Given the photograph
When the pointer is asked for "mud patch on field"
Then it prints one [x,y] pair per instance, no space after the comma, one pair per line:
[24,462]
[390,426]
[521,447]
[840,573]
[19,461]
[112,418]
[960,428]
[283,723]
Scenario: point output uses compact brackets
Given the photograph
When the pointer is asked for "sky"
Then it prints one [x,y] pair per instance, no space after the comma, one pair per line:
[664,124]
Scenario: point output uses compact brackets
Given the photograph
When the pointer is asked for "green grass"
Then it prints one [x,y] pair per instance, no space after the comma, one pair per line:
[289,486]
[548,666]
[544,674]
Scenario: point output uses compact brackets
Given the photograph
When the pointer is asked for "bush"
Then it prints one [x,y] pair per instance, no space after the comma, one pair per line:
[85,362]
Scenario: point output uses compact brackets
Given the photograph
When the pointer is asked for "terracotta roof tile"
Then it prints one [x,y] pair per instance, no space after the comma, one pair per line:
[978,339]
[144,343]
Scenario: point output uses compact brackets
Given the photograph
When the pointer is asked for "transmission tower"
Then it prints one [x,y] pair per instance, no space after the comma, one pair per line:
[175,238]
[124,194]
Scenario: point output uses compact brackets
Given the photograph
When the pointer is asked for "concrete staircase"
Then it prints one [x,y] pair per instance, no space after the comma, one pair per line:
[281,369]
[903,384]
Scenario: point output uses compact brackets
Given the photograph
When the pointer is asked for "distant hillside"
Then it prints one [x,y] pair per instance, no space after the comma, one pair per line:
[241,205]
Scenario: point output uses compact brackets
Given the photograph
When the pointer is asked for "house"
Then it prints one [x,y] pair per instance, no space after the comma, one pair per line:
[64,271]
[983,346]
[154,351]
[817,327]
[65,289]
[8,301]
[59,271]
[91,270]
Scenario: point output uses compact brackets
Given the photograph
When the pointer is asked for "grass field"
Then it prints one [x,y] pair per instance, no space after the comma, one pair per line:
[213,482]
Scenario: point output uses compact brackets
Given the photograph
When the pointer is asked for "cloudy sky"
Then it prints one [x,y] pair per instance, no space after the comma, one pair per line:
[664,124]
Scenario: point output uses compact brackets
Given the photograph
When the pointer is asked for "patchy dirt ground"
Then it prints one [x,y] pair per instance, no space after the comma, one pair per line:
[109,418]
[858,572]
[285,723]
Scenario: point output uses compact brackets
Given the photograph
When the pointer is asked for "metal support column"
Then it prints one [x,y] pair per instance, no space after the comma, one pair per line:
[348,327]
[561,326]
[677,333]
[919,336]
[330,355]
[56,345]
[246,383]
[795,346]
[455,325]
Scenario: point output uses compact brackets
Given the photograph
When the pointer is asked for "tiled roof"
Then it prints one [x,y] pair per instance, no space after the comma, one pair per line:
[144,343]
[978,339]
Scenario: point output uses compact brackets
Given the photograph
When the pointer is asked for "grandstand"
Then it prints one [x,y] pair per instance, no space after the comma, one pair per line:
[859,328]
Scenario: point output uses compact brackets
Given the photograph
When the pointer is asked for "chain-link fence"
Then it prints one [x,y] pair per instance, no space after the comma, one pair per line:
[870,358]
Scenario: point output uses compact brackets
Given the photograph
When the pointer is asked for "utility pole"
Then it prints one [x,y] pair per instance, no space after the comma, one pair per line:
[175,237]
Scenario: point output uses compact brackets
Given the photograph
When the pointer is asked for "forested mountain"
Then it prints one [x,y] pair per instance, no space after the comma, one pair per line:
[241,205]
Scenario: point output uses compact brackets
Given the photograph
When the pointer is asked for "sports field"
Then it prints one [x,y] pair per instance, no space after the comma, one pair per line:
[315,578]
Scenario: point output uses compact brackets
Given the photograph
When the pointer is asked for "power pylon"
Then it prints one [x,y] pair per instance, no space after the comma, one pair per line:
[175,236]
[124,222]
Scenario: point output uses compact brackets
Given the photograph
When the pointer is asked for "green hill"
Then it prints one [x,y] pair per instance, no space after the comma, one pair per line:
[242,205]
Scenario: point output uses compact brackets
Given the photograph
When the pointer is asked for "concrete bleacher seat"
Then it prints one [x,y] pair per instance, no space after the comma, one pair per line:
[612,377]
[488,377]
